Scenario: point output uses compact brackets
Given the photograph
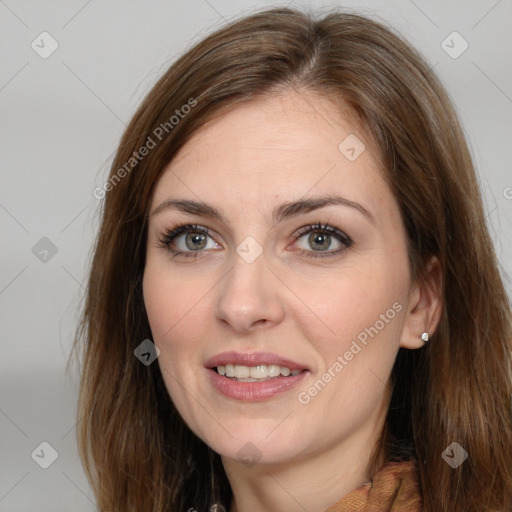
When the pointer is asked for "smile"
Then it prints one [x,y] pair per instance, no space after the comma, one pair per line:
[254,376]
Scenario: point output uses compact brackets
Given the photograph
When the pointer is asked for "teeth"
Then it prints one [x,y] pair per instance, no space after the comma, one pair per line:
[274,370]
[259,372]
[256,372]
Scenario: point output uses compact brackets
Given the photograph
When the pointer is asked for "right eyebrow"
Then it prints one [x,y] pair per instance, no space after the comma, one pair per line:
[188,206]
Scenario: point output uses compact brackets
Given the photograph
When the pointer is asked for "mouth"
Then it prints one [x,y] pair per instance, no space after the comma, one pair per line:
[254,376]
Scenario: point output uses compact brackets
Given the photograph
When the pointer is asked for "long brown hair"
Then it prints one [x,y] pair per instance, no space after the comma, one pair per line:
[138,453]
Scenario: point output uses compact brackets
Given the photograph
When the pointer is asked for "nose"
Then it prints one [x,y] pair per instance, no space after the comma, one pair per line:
[249,296]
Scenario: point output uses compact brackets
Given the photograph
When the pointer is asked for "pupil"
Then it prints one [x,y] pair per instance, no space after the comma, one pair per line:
[321,239]
[195,241]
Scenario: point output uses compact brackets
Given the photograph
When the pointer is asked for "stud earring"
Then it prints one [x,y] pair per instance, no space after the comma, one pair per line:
[425,337]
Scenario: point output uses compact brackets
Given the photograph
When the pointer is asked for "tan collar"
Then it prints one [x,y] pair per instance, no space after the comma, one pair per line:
[394,488]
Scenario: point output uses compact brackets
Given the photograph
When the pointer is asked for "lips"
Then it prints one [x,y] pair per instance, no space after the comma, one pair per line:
[254,391]
[253,359]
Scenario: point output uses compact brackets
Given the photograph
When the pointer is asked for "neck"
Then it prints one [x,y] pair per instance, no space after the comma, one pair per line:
[311,482]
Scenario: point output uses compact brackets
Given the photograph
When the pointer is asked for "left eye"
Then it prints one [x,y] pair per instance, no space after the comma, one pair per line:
[320,239]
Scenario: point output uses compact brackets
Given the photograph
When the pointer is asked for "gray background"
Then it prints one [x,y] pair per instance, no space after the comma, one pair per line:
[61,118]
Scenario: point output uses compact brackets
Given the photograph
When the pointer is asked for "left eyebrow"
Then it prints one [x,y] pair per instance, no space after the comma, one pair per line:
[294,208]
[280,213]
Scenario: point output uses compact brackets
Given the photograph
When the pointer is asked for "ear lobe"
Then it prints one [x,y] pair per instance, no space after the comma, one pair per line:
[425,306]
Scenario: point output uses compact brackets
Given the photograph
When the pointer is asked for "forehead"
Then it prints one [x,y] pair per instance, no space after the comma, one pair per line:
[284,146]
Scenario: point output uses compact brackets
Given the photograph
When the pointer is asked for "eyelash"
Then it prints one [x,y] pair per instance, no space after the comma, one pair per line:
[168,237]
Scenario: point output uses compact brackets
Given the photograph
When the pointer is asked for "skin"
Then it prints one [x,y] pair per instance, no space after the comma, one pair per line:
[247,162]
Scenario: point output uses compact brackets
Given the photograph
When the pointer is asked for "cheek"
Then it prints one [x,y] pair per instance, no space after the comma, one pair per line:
[160,304]
[357,340]
[171,304]
[172,309]
[351,302]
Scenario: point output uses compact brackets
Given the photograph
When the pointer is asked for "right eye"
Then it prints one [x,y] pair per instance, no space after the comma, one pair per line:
[187,240]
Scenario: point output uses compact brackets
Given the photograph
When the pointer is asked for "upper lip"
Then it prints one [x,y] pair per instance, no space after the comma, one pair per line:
[252,359]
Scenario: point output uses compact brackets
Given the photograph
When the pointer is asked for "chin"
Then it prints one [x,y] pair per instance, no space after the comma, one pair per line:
[255,448]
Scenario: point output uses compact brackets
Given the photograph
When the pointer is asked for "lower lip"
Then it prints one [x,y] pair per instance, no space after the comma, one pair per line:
[254,391]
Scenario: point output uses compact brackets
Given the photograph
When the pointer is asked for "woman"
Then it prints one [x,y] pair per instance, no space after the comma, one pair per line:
[294,303]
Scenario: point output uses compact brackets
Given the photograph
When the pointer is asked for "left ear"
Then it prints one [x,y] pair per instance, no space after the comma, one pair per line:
[425,305]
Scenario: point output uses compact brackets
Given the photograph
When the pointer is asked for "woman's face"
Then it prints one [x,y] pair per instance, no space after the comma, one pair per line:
[284,282]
